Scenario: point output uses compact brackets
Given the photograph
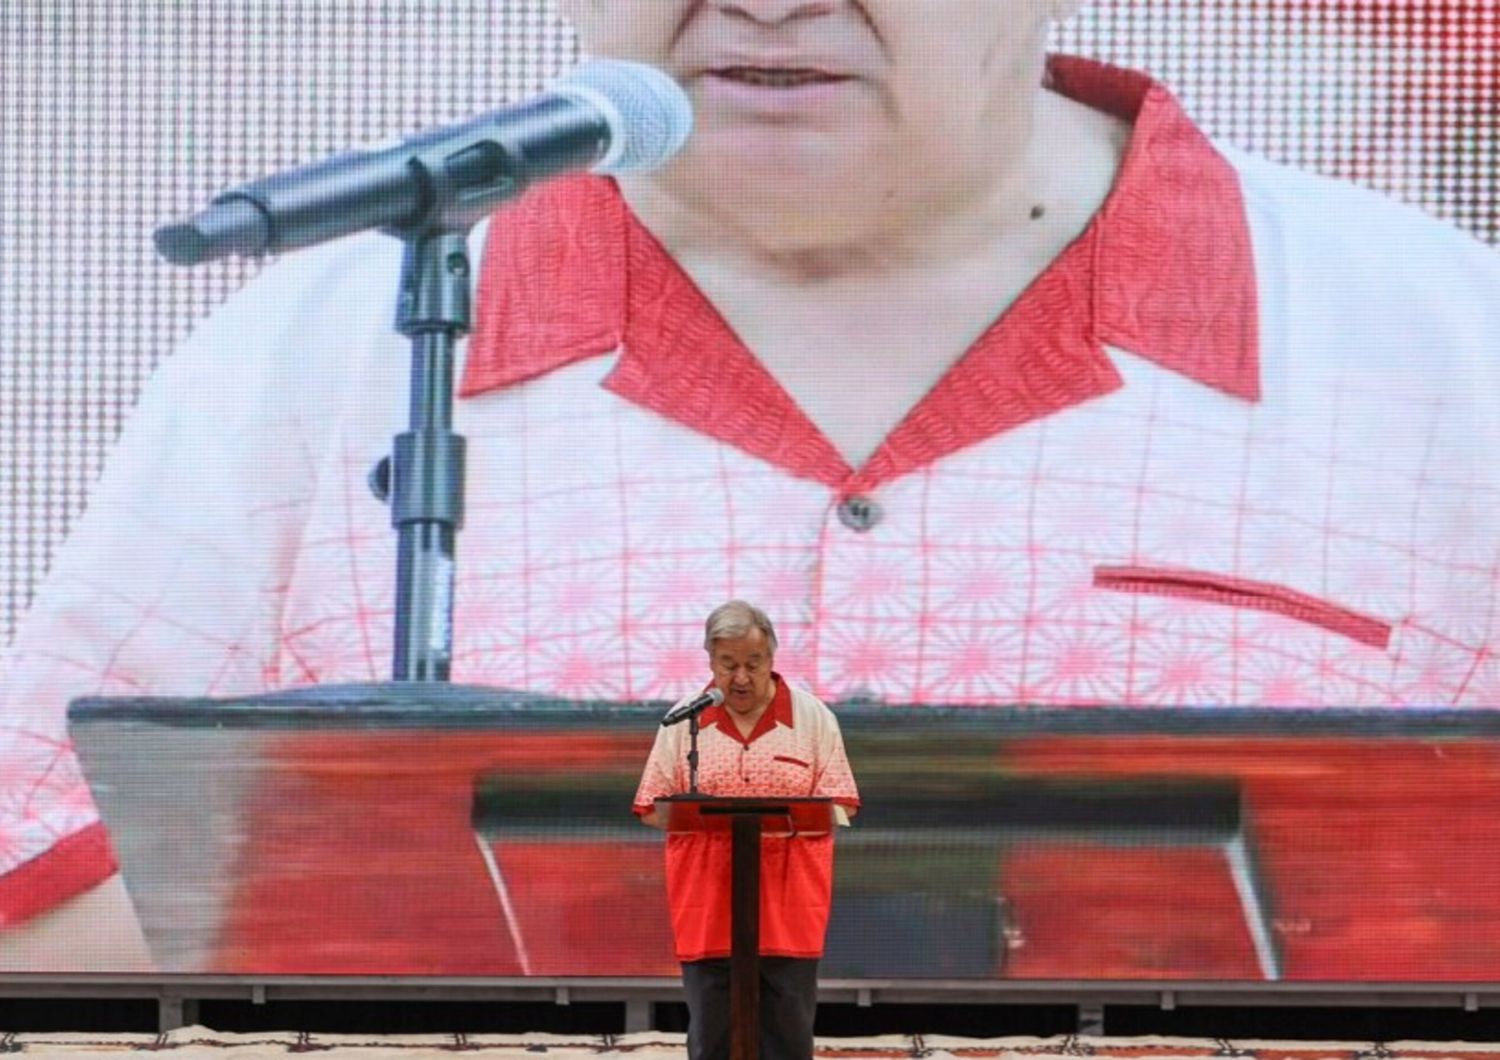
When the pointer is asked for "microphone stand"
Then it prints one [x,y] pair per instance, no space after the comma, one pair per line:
[423,479]
[430,192]
[693,755]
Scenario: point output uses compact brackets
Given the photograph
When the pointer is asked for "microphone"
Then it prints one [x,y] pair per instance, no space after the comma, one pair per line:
[608,116]
[697,705]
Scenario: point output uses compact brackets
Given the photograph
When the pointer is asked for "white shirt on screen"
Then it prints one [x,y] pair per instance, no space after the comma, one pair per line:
[1239,448]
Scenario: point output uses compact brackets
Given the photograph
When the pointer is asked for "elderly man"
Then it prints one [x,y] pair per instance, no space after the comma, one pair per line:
[767,739]
[990,374]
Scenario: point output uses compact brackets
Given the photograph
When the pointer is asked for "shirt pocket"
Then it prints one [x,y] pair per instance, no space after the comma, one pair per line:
[793,769]
[1231,591]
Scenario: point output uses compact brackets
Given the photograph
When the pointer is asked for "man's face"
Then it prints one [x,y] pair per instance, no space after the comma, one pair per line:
[803,88]
[742,671]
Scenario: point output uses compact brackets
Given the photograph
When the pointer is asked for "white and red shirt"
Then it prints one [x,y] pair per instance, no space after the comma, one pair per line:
[795,750]
[1239,444]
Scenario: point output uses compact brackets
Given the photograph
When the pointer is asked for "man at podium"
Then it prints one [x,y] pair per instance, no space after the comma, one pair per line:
[765,739]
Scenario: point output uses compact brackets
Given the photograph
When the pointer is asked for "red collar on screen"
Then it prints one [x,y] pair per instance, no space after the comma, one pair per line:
[778,713]
[1165,271]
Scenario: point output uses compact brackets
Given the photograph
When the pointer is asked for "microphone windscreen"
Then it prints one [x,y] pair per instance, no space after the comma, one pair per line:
[648,114]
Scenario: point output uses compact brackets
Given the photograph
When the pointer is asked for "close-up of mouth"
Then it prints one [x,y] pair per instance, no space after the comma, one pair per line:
[776,77]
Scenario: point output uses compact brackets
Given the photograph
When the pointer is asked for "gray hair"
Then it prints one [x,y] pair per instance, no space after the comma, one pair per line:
[737,619]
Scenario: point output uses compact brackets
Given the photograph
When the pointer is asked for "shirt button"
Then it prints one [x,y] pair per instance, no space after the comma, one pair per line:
[859,513]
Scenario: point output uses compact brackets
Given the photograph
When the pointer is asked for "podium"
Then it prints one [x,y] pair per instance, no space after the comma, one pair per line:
[746,820]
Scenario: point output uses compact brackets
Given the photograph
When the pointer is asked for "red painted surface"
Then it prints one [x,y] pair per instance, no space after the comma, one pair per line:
[378,869]
[1381,857]
[591,908]
[1381,860]
[1124,913]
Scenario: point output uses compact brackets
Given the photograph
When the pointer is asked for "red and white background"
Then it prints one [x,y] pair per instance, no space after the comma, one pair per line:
[118,116]
[115,117]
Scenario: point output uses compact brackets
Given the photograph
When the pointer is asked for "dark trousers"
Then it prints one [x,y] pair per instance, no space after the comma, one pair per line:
[788,1004]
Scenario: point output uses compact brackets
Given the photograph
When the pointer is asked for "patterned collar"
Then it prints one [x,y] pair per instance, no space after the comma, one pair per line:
[1165,270]
[779,712]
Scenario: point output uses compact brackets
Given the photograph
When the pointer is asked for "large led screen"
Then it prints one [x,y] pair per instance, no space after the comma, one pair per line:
[1101,398]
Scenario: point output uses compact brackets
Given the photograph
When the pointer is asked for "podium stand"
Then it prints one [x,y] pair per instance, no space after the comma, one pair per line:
[746,820]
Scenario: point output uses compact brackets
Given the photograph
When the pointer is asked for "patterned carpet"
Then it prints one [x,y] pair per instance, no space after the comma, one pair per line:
[199,1043]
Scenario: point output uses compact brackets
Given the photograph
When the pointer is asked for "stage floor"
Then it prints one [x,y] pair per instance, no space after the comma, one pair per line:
[200,1043]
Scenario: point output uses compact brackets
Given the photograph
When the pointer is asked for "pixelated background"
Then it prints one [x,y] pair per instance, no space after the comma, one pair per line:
[117,116]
